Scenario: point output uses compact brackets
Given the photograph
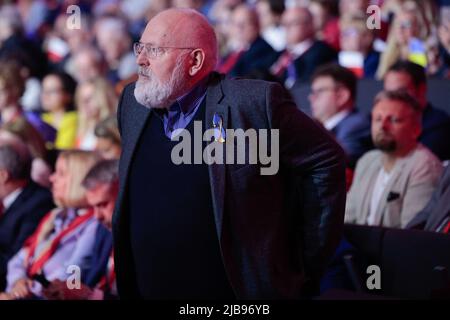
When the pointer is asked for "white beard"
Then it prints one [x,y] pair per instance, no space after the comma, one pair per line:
[152,93]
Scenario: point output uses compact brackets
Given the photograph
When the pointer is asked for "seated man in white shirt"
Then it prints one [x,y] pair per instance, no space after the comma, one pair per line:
[392,184]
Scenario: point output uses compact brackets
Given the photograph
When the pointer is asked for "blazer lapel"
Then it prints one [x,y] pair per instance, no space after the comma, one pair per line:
[137,120]
[217,173]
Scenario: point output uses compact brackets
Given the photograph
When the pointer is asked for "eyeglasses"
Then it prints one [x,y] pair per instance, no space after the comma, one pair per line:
[316,92]
[153,52]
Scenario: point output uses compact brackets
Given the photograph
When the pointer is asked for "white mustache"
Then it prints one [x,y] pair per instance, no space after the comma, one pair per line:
[144,72]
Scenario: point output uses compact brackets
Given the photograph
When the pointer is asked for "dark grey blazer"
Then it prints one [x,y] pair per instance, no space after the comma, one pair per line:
[437,209]
[276,232]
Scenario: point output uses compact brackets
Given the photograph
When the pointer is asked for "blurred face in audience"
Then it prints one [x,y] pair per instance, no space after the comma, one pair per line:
[53,97]
[108,149]
[245,26]
[353,38]
[86,68]
[112,44]
[327,98]
[86,100]
[395,127]
[320,15]
[299,25]
[102,199]
[265,15]
[394,80]
[405,27]
[60,180]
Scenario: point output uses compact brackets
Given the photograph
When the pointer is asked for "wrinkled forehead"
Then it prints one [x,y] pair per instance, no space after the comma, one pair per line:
[166,31]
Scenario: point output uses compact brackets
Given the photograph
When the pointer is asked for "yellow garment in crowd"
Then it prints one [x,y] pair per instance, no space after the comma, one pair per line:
[67,131]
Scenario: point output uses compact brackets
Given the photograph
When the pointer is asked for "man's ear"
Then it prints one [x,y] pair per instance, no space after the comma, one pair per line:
[196,63]
[343,96]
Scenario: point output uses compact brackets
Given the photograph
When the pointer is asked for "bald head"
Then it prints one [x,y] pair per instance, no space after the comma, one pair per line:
[177,49]
[177,27]
[298,22]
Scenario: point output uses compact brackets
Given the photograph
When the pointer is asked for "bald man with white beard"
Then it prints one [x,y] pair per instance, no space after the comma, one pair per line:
[218,230]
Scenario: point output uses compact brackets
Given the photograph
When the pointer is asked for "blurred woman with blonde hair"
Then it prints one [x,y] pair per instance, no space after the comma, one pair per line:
[95,100]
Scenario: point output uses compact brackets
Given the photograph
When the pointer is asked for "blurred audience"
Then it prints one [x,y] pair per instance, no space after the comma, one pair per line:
[64,237]
[249,50]
[12,86]
[303,53]
[102,185]
[23,202]
[356,42]
[115,44]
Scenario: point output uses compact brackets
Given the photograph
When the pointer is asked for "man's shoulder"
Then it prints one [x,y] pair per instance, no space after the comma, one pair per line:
[34,192]
[356,121]
[422,156]
[371,157]
[250,91]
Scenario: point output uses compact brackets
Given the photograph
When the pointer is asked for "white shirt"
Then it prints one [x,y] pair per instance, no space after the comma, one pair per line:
[378,189]
[333,121]
[300,48]
[10,198]
[275,36]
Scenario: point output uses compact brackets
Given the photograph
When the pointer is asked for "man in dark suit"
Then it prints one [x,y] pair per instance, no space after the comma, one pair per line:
[332,98]
[250,51]
[23,202]
[218,230]
[101,183]
[436,215]
[304,53]
[405,75]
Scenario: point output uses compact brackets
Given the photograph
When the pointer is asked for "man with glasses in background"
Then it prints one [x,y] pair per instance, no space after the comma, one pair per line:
[333,94]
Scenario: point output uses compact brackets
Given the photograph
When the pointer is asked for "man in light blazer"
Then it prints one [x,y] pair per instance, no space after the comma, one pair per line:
[218,231]
[392,184]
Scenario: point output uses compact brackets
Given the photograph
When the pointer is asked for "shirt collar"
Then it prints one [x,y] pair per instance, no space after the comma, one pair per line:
[300,48]
[188,101]
[10,198]
[333,121]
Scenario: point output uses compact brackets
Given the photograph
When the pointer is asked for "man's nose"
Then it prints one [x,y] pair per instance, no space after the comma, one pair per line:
[142,59]
[385,124]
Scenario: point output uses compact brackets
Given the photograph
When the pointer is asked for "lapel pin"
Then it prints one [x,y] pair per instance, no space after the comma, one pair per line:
[219,133]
